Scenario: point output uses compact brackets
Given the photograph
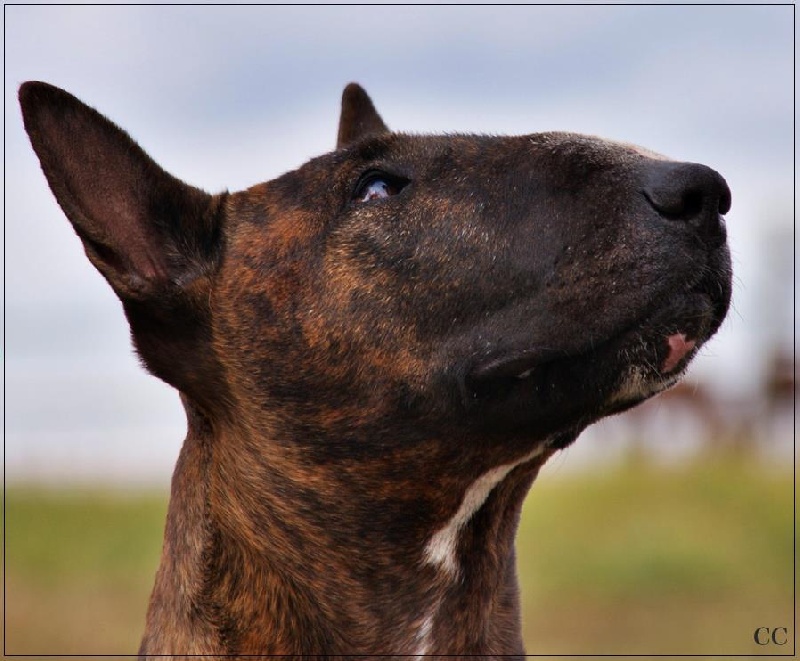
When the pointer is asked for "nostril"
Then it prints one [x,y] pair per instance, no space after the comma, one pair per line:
[684,207]
[692,204]
[687,192]
[677,204]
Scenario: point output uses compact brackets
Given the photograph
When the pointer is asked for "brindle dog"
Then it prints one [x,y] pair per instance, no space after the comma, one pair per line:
[376,353]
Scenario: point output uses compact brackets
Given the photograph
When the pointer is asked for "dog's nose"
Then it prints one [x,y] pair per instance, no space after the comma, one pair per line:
[690,193]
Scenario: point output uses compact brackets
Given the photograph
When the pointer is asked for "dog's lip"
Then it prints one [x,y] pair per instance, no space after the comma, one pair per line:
[518,364]
[672,334]
[680,346]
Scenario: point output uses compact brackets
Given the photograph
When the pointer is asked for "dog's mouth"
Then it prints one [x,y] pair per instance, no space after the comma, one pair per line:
[667,341]
[558,389]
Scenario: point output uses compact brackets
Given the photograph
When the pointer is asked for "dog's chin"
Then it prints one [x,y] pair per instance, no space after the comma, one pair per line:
[545,394]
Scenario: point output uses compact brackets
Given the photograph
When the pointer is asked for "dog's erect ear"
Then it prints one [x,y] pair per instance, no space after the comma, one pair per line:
[153,237]
[142,228]
[359,117]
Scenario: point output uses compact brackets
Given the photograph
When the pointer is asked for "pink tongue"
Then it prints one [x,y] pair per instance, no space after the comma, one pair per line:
[679,346]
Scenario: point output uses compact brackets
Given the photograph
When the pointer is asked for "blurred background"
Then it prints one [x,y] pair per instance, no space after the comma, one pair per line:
[667,530]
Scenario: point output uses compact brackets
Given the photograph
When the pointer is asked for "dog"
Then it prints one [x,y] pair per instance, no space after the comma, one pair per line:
[377,352]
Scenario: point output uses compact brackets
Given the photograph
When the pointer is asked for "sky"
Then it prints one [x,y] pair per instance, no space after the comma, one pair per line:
[225,97]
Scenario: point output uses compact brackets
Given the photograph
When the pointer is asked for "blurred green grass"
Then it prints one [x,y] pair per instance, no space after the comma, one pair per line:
[634,559]
[653,560]
[80,564]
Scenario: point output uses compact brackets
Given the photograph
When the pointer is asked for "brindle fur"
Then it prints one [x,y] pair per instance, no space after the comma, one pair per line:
[346,368]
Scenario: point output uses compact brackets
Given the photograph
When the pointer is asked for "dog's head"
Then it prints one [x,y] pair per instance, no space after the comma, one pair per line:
[493,290]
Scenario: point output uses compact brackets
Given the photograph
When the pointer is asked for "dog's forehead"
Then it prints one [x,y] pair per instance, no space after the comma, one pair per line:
[611,149]
[420,148]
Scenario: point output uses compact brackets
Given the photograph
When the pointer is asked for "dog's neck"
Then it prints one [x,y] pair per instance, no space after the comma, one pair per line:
[268,554]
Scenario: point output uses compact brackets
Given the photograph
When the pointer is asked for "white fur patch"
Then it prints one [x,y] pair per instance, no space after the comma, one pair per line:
[423,637]
[633,386]
[440,550]
[638,385]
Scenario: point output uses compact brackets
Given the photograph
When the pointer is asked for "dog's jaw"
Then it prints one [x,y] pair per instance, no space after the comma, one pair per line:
[638,385]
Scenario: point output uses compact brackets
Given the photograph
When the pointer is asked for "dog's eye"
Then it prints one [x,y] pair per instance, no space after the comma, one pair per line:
[376,186]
